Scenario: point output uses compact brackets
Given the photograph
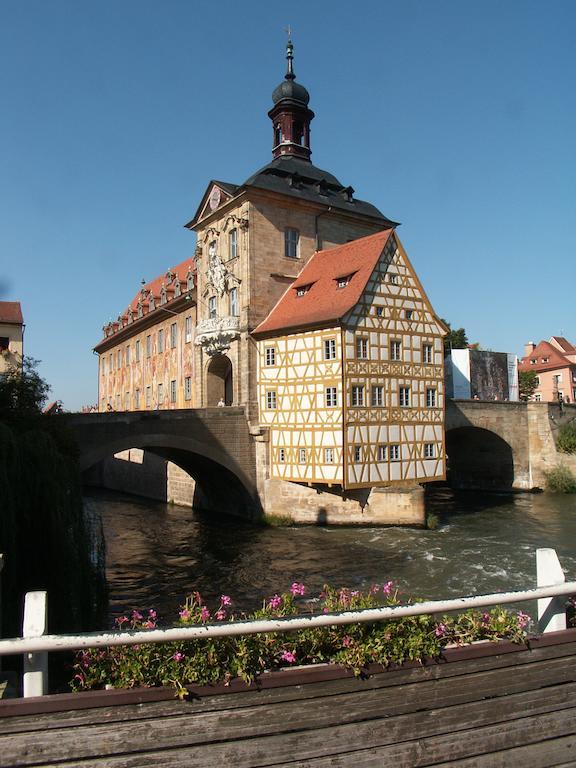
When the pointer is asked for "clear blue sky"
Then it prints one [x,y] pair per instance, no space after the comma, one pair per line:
[457,119]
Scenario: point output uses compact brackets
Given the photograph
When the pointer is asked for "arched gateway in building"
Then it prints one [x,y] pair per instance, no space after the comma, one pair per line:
[219,384]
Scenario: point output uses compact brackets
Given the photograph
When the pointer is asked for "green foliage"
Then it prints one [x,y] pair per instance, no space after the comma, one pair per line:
[455,339]
[219,660]
[527,384]
[432,521]
[561,479]
[22,390]
[567,438]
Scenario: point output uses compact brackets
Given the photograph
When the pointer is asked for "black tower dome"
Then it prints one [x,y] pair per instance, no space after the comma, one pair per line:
[288,89]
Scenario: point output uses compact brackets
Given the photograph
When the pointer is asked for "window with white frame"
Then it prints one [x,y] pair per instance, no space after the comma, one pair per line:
[395,350]
[233,244]
[427,353]
[161,340]
[212,306]
[160,393]
[233,301]
[358,395]
[330,397]
[173,335]
[382,452]
[173,391]
[271,399]
[394,452]
[328,455]
[188,329]
[137,351]
[357,453]
[302,455]
[361,348]
[429,452]
[329,349]
[291,242]
[270,355]
[377,396]
[302,290]
[404,397]
[188,388]
[430,397]
[392,278]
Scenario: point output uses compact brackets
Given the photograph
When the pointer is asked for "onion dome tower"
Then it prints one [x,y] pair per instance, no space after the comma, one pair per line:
[290,115]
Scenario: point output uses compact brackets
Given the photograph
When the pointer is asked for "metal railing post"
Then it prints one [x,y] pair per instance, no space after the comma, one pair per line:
[551,610]
[35,682]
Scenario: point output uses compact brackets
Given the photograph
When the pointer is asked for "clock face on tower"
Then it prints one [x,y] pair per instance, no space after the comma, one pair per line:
[215,197]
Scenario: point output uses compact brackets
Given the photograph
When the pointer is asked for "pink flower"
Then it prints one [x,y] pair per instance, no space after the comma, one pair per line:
[225,600]
[122,620]
[374,589]
[523,619]
[440,630]
[387,588]
[485,618]
[354,593]
[275,602]
[220,614]
[289,657]
[136,616]
[152,615]
[346,641]
[297,588]
[205,613]
[184,614]
[178,656]
[149,625]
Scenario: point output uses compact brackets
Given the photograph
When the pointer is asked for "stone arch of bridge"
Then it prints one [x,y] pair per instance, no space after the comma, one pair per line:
[479,458]
[221,484]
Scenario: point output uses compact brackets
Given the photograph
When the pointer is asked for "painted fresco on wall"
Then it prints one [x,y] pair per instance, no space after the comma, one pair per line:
[489,375]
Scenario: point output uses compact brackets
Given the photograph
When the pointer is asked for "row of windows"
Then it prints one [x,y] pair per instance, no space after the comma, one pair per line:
[362,351]
[232,304]
[358,399]
[148,395]
[386,452]
[118,356]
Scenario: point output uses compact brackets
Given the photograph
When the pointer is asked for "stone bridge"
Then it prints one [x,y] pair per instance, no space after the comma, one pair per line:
[502,445]
[213,445]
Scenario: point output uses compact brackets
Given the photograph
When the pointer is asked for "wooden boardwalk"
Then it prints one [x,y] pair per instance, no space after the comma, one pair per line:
[484,706]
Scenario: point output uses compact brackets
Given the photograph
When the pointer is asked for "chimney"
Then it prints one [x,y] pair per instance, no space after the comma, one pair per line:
[529,348]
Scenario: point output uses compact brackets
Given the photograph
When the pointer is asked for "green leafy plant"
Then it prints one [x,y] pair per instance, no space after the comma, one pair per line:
[561,479]
[567,438]
[527,384]
[219,660]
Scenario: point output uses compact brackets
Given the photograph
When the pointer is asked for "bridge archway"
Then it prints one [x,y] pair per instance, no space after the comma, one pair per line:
[219,384]
[479,459]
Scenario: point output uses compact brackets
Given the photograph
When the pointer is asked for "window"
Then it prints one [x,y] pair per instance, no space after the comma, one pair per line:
[188,388]
[533,361]
[138,351]
[188,329]
[111,363]
[126,401]
[148,346]
[392,278]
[394,453]
[430,398]
[302,290]
[189,281]
[427,353]
[233,244]
[357,395]
[291,242]
[395,350]
[282,455]
[302,455]
[212,306]
[233,297]
[377,396]
[342,282]
[362,348]
[545,359]
[382,453]
[119,359]
[408,314]
[328,455]
[404,397]
[161,340]
[329,349]
[173,391]
[137,399]
[173,335]
[357,453]
[128,355]
[271,399]
[379,311]
[270,354]
[428,450]
[4,343]
[148,396]
[160,393]
[118,403]
[330,397]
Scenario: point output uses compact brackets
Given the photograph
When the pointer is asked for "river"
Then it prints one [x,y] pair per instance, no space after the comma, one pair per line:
[158,553]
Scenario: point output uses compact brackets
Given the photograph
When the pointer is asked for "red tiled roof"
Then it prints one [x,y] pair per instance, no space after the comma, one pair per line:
[555,358]
[324,302]
[155,285]
[11,312]
[563,344]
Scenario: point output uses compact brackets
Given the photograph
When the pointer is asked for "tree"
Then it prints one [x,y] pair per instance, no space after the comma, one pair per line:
[527,384]
[22,390]
[455,339]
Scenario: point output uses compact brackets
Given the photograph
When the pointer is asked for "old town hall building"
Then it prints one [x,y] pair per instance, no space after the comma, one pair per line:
[301,305]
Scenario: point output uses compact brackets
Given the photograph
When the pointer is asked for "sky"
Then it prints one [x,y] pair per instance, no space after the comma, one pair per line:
[455,118]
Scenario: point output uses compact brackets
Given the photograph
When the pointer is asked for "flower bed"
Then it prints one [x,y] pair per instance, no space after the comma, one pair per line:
[219,660]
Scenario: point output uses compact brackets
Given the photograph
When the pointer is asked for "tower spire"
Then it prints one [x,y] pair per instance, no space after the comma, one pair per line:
[289,57]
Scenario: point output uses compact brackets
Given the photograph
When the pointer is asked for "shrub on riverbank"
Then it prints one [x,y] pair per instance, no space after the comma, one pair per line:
[567,438]
[561,479]
[219,660]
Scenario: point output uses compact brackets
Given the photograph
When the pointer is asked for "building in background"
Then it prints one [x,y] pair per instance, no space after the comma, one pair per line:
[11,335]
[481,375]
[554,362]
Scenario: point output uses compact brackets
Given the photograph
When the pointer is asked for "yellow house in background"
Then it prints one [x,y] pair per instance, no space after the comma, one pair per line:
[351,377]
[11,335]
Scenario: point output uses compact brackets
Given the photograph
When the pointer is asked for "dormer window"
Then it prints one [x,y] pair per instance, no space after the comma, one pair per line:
[189,281]
[545,359]
[163,295]
[139,308]
[302,290]
[151,301]
[177,288]
[343,281]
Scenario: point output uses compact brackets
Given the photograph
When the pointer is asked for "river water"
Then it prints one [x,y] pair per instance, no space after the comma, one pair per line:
[158,553]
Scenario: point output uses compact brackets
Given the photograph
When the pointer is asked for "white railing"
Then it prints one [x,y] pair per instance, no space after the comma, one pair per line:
[35,645]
